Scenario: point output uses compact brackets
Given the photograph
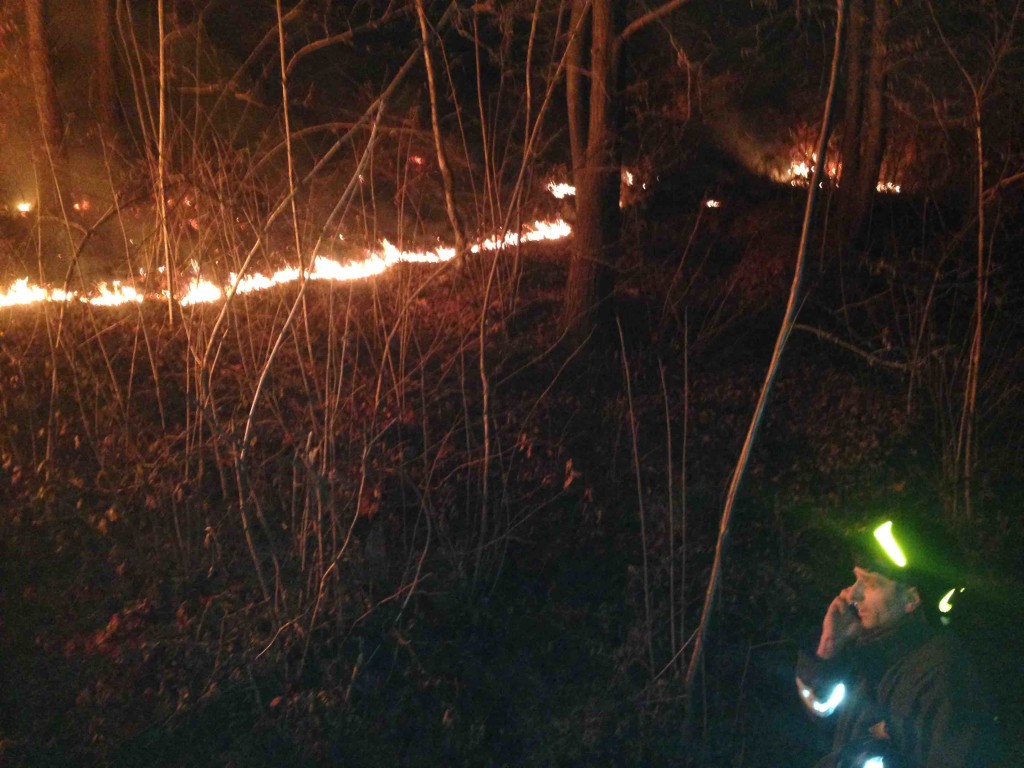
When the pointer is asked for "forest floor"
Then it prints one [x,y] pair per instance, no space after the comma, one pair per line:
[532,613]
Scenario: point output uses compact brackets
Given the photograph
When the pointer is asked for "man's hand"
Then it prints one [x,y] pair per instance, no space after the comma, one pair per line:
[841,625]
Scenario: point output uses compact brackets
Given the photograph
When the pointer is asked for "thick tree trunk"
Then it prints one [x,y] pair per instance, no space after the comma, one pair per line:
[41,72]
[864,118]
[873,118]
[575,84]
[592,268]
[852,104]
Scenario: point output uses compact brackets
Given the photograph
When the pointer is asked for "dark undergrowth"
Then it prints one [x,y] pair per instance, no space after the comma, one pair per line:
[392,559]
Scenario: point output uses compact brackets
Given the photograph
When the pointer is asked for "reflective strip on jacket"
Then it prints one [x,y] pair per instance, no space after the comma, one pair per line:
[912,687]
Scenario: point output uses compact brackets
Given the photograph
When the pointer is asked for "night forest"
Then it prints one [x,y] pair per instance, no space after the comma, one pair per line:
[498,383]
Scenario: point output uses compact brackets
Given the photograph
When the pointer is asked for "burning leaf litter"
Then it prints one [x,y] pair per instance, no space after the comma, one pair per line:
[200,290]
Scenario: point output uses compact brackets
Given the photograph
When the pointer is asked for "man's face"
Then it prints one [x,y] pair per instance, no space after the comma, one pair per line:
[880,601]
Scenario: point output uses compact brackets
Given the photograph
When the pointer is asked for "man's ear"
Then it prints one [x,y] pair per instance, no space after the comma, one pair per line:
[911,600]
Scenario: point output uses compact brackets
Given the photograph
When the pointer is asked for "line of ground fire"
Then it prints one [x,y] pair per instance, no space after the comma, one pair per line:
[199,290]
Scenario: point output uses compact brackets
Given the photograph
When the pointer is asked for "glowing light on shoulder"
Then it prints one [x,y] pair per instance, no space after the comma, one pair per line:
[822,708]
[883,534]
[713,203]
[874,762]
[24,207]
[828,706]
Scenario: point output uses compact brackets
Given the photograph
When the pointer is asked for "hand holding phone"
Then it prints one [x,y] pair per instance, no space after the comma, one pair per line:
[840,626]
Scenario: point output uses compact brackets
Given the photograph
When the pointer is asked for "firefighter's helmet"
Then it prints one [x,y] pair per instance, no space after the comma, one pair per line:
[917,551]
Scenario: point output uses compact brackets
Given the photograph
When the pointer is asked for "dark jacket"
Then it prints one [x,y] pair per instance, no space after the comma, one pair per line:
[912,690]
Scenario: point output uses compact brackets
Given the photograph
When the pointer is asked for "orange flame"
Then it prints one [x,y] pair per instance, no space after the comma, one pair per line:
[200,290]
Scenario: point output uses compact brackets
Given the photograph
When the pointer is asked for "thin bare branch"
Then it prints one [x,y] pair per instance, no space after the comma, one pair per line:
[788,321]
[346,37]
[651,16]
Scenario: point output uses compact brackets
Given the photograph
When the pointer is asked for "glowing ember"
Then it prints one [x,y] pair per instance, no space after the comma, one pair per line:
[494,243]
[800,170]
[328,269]
[113,296]
[546,230]
[538,231]
[260,282]
[24,207]
[713,203]
[392,255]
[202,291]
[561,190]
[22,292]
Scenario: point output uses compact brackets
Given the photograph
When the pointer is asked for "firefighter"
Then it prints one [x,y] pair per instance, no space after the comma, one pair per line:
[902,689]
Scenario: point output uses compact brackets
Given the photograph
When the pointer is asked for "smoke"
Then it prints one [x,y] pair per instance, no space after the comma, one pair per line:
[19,131]
[749,141]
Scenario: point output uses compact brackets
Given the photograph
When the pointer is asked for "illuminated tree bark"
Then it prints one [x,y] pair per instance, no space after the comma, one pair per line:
[864,114]
[451,208]
[593,120]
[854,98]
[41,72]
[594,108]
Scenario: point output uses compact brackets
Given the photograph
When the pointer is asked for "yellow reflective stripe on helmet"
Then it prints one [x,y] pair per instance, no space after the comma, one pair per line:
[884,535]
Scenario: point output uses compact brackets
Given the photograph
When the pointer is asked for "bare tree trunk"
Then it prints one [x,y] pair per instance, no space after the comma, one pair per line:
[103,96]
[873,117]
[575,87]
[594,117]
[591,271]
[963,459]
[442,158]
[41,72]
[969,416]
[852,106]
[864,121]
